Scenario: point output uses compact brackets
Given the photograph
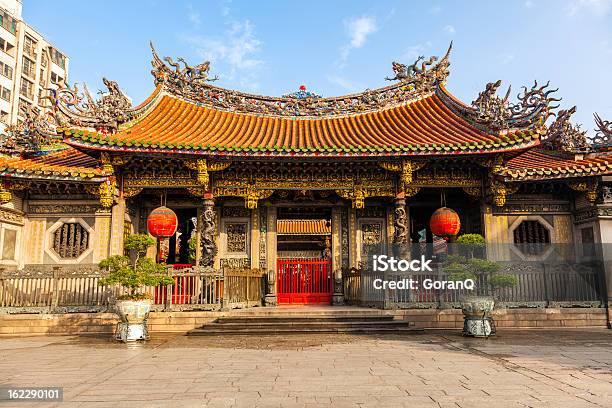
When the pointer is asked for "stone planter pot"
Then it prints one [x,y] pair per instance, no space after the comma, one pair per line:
[477,321]
[133,315]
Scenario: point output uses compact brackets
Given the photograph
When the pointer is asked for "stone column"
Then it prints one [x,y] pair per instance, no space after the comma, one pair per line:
[116,233]
[208,245]
[271,248]
[336,246]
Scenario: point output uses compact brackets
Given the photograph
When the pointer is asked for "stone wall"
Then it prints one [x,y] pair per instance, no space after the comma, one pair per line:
[181,322]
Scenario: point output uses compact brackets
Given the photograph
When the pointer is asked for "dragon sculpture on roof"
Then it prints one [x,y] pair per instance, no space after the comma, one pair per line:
[194,84]
[603,137]
[563,135]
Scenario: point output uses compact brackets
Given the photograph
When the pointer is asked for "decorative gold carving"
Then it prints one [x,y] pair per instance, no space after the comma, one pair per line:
[129,192]
[406,168]
[159,182]
[120,160]
[359,193]
[500,191]
[15,185]
[218,165]
[196,191]
[589,187]
[5,195]
[105,160]
[473,191]
[106,191]
[250,194]
[203,167]
[445,180]
[411,191]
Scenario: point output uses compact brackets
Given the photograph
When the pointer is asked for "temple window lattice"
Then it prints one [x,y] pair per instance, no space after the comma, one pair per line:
[70,240]
[531,237]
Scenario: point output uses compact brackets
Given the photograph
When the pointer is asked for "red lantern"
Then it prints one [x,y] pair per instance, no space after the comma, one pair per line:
[162,222]
[445,222]
[302,87]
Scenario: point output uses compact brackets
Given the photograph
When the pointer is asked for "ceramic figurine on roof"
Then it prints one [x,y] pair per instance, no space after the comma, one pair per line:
[603,137]
[564,136]
[74,109]
[36,129]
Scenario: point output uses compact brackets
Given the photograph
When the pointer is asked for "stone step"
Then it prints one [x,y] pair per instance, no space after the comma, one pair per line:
[302,318]
[290,324]
[219,330]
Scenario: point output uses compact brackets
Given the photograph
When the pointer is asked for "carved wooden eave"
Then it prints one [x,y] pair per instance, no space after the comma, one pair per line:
[588,186]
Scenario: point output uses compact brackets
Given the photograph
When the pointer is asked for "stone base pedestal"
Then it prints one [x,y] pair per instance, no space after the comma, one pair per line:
[478,326]
[270,301]
[337,299]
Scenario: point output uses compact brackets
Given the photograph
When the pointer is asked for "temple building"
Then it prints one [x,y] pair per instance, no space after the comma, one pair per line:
[274,182]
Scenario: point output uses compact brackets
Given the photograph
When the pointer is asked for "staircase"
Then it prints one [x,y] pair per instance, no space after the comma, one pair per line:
[306,322]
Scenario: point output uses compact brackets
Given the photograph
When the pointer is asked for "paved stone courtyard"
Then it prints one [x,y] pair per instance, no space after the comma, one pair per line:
[541,368]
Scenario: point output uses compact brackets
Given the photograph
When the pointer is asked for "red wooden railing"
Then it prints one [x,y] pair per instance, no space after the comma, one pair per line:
[304,281]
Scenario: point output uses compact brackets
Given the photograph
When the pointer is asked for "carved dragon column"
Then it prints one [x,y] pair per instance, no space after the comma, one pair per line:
[401,245]
[208,246]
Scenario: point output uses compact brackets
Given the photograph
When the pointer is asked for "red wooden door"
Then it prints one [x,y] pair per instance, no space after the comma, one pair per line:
[304,281]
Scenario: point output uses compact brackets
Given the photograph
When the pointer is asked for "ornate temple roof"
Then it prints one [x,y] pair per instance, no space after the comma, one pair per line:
[422,126]
[415,115]
[303,227]
[538,164]
[68,164]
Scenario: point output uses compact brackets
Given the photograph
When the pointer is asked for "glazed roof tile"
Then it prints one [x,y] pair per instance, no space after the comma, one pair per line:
[424,126]
[539,164]
[303,227]
[63,164]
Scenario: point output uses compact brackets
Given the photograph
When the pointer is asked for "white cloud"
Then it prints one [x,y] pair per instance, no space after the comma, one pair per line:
[193,15]
[237,48]
[358,30]
[345,83]
[414,51]
[529,4]
[598,7]
[450,29]
[506,58]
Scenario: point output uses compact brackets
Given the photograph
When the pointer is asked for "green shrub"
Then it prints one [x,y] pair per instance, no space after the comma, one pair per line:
[136,271]
[503,280]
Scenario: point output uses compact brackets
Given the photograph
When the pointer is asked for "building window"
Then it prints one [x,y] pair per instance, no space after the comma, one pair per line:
[58,58]
[531,237]
[29,47]
[5,93]
[27,88]
[28,67]
[6,70]
[4,117]
[70,240]
[7,47]
[8,22]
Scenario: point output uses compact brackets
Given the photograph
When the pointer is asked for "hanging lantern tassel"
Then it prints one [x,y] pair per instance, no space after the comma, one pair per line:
[445,223]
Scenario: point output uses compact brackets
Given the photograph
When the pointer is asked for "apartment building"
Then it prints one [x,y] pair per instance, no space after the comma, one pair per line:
[28,64]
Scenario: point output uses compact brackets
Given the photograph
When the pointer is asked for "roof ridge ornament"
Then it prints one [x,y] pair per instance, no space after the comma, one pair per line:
[491,112]
[564,136]
[603,137]
[29,136]
[425,77]
[105,114]
[197,88]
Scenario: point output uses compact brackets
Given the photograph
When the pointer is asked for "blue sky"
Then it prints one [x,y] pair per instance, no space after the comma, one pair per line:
[339,47]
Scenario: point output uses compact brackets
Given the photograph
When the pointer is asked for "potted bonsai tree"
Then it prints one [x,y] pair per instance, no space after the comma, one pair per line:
[133,273]
[467,265]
